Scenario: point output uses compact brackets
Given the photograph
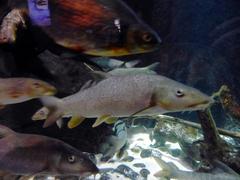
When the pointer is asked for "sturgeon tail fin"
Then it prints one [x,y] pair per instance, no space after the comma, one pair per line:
[169,170]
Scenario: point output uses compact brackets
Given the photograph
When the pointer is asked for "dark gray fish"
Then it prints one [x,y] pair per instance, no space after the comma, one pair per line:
[28,154]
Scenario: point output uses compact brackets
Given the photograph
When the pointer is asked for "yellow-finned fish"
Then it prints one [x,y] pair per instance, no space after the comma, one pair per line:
[17,90]
[123,96]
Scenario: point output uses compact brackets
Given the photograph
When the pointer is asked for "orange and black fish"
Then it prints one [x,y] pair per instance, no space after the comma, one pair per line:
[93,27]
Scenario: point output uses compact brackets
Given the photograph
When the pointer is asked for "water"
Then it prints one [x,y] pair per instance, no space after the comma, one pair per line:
[200,48]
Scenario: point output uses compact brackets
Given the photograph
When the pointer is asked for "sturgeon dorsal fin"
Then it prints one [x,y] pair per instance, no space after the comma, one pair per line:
[5,131]
[99,75]
[153,66]
[88,84]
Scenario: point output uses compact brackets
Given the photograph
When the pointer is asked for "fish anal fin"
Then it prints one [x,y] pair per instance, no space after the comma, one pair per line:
[100,120]
[111,120]
[75,121]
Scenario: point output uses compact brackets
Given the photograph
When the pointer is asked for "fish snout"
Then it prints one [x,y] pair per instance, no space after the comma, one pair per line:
[91,169]
[50,91]
[202,102]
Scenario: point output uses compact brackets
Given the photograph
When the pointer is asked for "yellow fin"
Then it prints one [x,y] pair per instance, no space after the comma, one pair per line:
[75,121]
[111,120]
[100,120]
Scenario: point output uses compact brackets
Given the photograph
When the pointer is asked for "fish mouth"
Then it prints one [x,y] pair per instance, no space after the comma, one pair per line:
[50,92]
[201,105]
[95,171]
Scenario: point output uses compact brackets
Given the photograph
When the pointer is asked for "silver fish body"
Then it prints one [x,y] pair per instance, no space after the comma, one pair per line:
[122,96]
[126,95]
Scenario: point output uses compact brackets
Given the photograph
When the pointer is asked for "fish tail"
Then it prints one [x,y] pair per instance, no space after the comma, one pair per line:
[55,107]
[169,170]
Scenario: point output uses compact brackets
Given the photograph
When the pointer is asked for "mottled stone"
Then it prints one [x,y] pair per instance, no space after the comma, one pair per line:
[127,171]
[139,165]
[146,153]
[128,159]
[144,173]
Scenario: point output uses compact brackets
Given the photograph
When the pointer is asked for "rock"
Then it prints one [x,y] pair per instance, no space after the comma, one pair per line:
[139,165]
[128,172]
[146,153]
[128,159]
[144,173]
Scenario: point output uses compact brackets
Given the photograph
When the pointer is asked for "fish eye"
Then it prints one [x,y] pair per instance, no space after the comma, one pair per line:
[180,93]
[36,85]
[147,37]
[71,159]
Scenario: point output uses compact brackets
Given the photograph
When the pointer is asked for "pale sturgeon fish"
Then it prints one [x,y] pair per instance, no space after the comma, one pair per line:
[16,90]
[171,171]
[123,96]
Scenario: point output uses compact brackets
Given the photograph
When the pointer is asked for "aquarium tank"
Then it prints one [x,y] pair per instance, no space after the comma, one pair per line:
[119,89]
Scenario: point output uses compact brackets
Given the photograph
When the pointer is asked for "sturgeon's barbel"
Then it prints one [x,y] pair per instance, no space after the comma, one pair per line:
[124,96]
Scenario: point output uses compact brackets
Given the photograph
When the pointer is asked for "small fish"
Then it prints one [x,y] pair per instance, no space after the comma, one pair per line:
[124,96]
[93,27]
[29,154]
[114,143]
[17,90]
[133,71]
[171,171]
[108,64]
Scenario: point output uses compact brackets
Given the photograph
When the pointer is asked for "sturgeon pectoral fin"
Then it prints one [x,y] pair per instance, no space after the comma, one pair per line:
[111,120]
[75,121]
[100,120]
